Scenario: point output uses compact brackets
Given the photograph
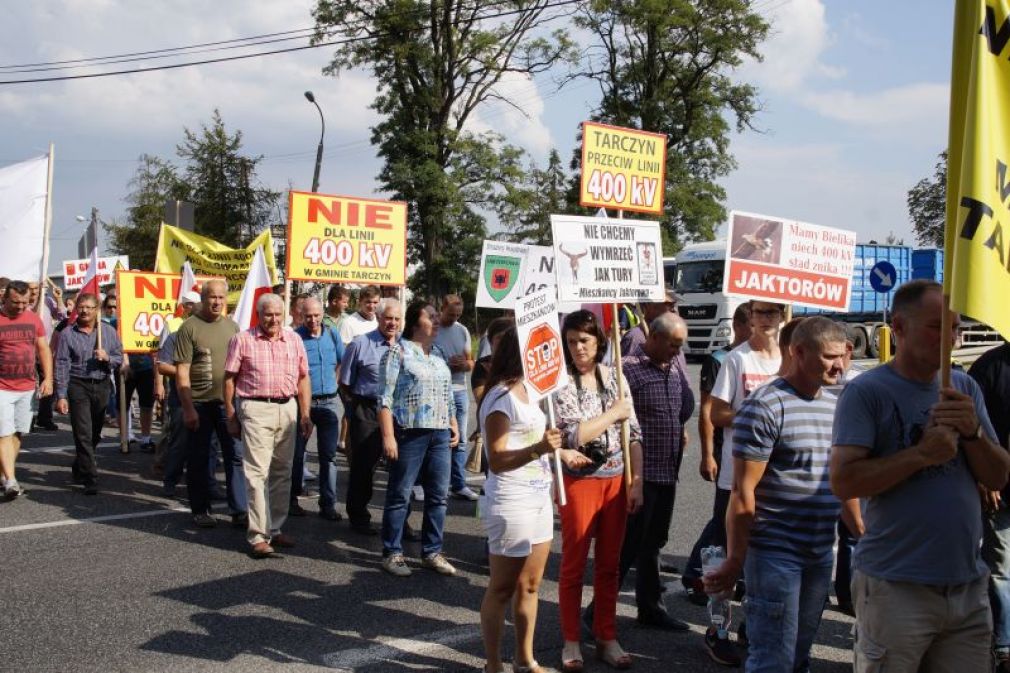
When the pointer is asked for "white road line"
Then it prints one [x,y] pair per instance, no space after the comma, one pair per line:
[94,519]
[61,448]
[435,644]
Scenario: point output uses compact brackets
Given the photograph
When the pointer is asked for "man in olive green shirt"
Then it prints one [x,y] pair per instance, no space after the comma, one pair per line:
[201,345]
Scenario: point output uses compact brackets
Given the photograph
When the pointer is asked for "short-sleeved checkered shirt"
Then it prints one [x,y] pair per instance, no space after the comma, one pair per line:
[266,367]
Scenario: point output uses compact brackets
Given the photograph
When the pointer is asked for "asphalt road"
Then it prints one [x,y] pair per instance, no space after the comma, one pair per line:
[124,582]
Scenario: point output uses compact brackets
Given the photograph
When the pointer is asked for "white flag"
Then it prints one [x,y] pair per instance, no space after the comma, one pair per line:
[257,283]
[188,283]
[23,218]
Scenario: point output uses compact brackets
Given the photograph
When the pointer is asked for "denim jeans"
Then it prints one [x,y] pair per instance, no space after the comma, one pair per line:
[785,599]
[996,553]
[458,480]
[843,564]
[198,454]
[424,452]
[325,415]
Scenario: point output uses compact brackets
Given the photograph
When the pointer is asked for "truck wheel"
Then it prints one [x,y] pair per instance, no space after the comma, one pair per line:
[858,337]
[873,346]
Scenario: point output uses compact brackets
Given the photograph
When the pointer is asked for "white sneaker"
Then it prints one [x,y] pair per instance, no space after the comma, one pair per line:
[439,564]
[395,565]
[418,492]
[466,493]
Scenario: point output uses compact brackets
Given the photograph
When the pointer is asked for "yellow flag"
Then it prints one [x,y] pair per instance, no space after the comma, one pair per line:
[210,258]
[977,257]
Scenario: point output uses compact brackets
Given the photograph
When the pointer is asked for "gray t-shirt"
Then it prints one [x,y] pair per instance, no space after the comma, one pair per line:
[927,529]
[454,340]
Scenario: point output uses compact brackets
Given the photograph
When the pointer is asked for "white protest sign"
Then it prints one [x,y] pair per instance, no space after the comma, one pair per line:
[607,261]
[74,270]
[540,275]
[540,343]
[501,274]
[785,261]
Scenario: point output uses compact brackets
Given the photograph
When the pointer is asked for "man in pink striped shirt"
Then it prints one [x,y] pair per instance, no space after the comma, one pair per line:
[266,370]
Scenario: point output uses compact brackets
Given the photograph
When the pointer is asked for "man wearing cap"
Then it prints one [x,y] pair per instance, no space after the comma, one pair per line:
[266,369]
[170,454]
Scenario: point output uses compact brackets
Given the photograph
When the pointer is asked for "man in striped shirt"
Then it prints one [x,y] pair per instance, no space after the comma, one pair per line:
[782,513]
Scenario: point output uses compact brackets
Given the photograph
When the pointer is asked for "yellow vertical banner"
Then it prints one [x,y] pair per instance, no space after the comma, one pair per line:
[977,257]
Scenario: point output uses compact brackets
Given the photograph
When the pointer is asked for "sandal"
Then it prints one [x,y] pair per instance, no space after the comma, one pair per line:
[532,667]
[571,658]
[612,655]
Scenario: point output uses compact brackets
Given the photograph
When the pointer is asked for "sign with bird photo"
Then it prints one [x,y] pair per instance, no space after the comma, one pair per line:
[790,262]
[501,270]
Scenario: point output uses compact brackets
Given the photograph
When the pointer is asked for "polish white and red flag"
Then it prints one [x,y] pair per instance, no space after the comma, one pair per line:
[188,283]
[257,284]
[90,285]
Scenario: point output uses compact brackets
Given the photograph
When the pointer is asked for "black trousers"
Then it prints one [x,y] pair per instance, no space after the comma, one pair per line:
[645,536]
[365,441]
[87,399]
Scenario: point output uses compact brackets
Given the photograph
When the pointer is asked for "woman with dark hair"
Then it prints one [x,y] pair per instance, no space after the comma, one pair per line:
[516,510]
[589,413]
[417,418]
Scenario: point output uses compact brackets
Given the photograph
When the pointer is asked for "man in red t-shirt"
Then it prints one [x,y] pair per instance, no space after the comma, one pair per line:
[23,343]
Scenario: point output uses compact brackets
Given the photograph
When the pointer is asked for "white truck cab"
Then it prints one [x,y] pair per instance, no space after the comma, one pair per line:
[697,280]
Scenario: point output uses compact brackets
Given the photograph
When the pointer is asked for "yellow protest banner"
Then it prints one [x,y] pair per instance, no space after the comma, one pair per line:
[977,257]
[343,239]
[622,168]
[146,301]
[210,258]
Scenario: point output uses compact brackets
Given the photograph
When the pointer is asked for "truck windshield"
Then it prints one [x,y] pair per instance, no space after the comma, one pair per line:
[703,276]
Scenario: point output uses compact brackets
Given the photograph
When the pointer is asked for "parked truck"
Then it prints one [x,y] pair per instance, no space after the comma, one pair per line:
[698,275]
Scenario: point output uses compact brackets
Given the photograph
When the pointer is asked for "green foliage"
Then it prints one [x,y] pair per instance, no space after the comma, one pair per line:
[525,210]
[155,182]
[665,66]
[229,205]
[436,63]
[927,205]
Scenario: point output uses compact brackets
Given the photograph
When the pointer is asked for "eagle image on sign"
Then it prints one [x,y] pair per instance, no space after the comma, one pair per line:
[501,273]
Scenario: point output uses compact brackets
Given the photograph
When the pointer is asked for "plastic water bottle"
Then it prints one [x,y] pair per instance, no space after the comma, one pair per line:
[719,609]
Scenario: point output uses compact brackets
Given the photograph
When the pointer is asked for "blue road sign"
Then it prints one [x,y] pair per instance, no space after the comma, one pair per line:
[883,276]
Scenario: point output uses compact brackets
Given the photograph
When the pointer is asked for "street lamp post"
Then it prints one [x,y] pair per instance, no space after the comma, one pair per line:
[319,150]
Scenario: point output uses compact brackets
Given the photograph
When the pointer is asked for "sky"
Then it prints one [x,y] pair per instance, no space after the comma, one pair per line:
[854,97]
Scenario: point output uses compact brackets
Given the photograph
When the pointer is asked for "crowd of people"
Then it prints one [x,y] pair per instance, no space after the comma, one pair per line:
[802,452]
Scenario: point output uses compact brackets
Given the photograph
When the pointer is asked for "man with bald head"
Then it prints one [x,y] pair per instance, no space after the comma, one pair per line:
[360,390]
[201,345]
[663,403]
[324,350]
[267,396]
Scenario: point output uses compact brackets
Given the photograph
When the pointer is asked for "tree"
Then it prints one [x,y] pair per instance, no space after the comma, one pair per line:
[665,66]
[525,210]
[155,182]
[230,207]
[436,62]
[927,205]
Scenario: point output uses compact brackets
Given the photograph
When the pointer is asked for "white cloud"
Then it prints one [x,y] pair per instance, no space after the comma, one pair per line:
[793,51]
[520,120]
[896,107]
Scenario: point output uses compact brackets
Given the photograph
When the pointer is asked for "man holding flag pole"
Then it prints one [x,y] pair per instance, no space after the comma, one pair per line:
[915,446]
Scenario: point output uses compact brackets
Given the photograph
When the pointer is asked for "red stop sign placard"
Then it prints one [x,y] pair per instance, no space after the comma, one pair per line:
[543,358]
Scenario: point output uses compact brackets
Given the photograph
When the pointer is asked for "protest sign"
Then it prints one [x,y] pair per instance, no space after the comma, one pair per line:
[607,260]
[501,279]
[342,239]
[210,258]
[622,168]
[785,261]
[74,270]
[146,301]
[540,341]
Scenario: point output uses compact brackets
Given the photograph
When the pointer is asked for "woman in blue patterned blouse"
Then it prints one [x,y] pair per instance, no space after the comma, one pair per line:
[417,418]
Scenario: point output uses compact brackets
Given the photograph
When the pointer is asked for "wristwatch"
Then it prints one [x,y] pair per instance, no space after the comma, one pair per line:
[534,455]
[975,435]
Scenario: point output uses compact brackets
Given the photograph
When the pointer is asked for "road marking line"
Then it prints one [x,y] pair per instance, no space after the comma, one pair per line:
[392,649]
[94,519]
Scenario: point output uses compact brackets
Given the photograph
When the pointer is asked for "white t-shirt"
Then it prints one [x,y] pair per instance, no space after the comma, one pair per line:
[523,488]
[454,340]
[743,371]
[354,325]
